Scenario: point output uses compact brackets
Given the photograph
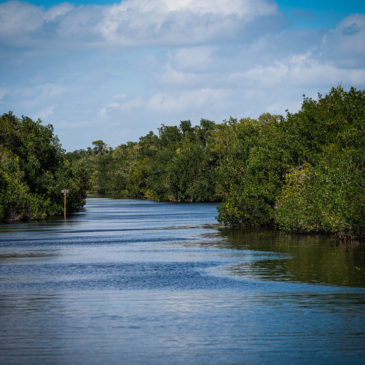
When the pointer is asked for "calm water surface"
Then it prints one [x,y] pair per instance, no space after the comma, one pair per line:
[136,282]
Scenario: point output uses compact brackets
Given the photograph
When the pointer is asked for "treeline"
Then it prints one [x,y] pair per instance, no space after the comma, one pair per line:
[178,165]
[33,171]
[303,172]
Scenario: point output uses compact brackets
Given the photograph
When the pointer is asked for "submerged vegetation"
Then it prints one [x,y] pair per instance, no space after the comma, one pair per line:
[33,170]
[303,172]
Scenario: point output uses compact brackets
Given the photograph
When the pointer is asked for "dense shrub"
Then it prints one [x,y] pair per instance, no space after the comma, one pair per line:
[33,171]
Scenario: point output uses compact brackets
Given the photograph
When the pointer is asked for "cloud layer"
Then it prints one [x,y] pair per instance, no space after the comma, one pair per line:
[115,72]
[135,22]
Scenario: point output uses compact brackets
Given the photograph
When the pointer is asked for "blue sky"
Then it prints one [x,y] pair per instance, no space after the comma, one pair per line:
[115,70]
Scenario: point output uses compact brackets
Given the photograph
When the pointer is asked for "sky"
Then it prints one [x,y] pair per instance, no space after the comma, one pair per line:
[115,70]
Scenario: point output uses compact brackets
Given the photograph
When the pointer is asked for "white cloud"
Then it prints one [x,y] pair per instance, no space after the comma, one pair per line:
[132,22]
[345,45]
[175,77]
[169,103]
[135,104]
[37,101]
[226,7]
[18,19]
[184,22]
[194,59]
[58,11]
[46,113]
[37,93]
[108,108]
[184,59]
[301,70]
[188,100]
[115,104]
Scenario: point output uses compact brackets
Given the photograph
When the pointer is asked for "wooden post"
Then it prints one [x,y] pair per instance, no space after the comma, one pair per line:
[65,191]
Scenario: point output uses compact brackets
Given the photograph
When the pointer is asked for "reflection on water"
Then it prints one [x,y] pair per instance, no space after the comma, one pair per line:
[305,258]
[138,282]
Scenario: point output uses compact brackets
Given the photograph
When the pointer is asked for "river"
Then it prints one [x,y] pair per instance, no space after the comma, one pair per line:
[139,282]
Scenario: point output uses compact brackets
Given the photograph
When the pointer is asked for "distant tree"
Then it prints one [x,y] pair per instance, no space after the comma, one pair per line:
[100,147]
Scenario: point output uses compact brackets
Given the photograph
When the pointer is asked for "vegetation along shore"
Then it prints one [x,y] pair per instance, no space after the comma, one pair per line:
[303,172]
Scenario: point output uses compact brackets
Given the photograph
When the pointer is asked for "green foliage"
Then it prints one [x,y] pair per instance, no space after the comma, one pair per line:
[306,172]
[16,202]
[255,163]
[328,197]
[33,171]
[302,172]
[175,165]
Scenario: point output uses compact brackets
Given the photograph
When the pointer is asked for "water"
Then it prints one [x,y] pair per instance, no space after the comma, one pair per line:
[136,282]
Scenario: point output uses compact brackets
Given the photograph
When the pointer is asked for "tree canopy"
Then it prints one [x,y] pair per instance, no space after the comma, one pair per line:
[301,172]
[34,169]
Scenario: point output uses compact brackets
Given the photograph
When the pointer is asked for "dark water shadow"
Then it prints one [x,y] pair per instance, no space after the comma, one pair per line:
[314,259]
